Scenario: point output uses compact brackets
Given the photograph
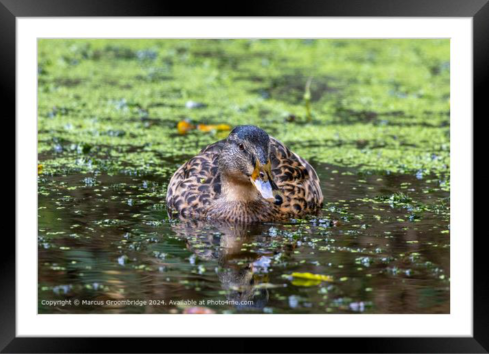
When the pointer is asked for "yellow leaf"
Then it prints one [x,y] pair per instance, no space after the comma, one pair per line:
[183,127]
[209,127]
[311,276]
[39,169]
[305,282]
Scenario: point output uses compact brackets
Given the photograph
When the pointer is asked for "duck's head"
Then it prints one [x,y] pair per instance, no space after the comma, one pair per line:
[245,159]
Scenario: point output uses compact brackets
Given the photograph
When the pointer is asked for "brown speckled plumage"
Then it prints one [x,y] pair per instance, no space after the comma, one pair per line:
[194,191]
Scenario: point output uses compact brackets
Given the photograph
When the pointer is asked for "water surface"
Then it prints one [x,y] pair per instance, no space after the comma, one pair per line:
[107,237]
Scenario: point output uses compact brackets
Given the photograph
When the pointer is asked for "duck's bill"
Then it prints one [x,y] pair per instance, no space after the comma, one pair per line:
[262,180]
[265,189]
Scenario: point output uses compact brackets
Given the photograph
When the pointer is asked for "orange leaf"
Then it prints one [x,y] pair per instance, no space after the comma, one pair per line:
[183,127]
[219,127]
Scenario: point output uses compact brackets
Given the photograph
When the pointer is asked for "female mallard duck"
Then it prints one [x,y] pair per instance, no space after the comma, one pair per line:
[247,177]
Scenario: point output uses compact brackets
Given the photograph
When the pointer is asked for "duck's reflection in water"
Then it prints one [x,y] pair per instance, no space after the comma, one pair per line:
[243,254]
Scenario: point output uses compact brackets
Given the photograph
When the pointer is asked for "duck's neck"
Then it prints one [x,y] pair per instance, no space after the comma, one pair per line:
[233,190]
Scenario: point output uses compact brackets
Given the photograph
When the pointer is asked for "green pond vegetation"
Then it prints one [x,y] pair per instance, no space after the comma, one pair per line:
[372,116]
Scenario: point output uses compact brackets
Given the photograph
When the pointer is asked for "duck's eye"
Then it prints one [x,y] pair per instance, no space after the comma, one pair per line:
[241,146]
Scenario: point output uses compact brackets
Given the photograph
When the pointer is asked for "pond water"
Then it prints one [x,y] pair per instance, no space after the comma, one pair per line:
[372,116]
[382,241]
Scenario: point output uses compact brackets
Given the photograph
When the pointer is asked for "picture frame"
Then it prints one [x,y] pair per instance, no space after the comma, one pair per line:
[11,10]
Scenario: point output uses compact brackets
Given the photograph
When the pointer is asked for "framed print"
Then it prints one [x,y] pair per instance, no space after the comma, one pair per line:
[293,172]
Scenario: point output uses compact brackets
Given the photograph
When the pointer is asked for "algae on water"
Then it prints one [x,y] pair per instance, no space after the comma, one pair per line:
[382,105]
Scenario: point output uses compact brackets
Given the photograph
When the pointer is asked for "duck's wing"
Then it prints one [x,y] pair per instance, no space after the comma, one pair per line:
[297,180]
[195,184]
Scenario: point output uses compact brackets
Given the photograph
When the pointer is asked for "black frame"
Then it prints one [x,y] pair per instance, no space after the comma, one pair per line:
[478,10]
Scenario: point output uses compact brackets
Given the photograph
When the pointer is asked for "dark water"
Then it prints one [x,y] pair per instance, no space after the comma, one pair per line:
[107,237]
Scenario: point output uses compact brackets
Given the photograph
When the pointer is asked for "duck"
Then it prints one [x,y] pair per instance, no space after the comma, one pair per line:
[248,177]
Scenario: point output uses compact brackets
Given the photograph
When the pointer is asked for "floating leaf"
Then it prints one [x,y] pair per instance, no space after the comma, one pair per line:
[312,276]
[305,282]
[184,126]
[309,279]
[218,127]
